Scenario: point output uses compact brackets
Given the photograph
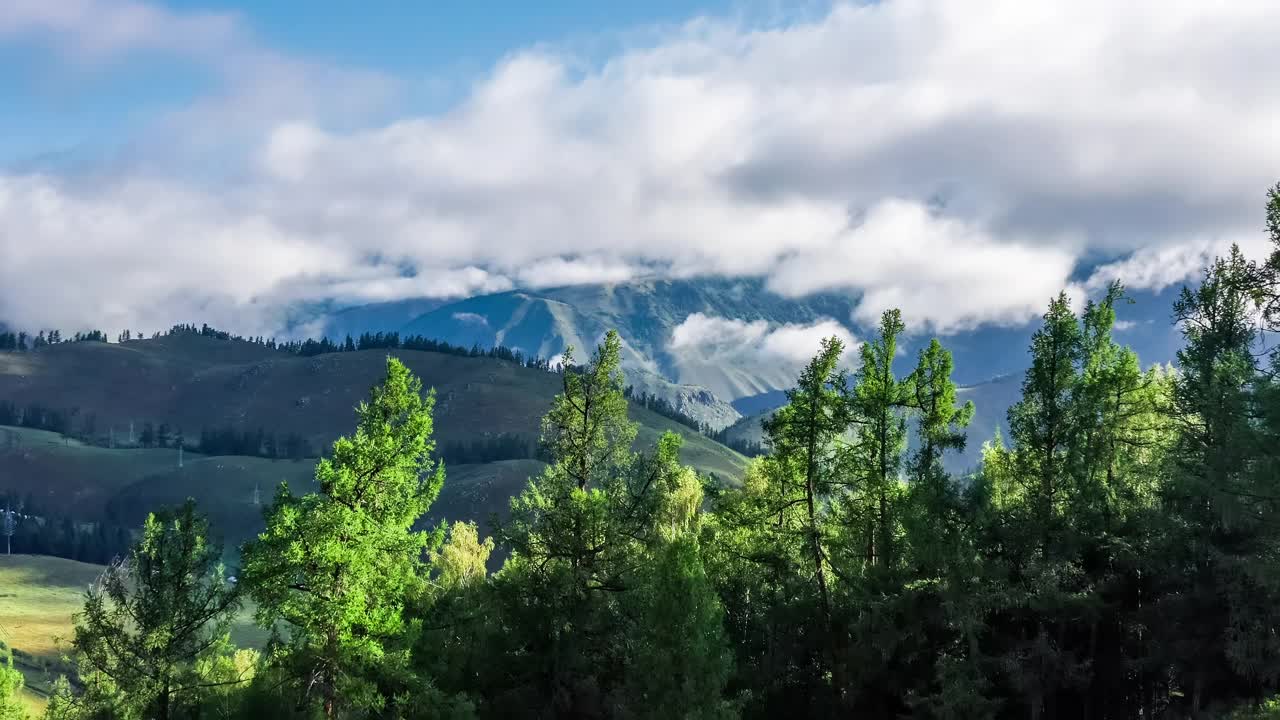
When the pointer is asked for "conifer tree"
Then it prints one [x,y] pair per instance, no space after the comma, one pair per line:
[149,619]
[585,545]
[805,473]
[338,566]
[1222,497]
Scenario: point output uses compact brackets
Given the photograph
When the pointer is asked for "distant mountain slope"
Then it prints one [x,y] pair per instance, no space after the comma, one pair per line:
[543,322]
[695,401]
[192,382]
[377,317]
[645,312]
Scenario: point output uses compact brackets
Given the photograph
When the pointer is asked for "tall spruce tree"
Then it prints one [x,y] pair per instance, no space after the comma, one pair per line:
[806,472]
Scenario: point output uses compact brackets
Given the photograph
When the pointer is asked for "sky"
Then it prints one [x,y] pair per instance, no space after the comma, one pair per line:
[231,162]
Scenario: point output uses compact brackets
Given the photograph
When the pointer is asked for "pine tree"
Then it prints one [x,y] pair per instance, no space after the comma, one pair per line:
[149,619]
[806,472]
[586,545]
[679,656]
[338,566]
[878,401]
[1222,504]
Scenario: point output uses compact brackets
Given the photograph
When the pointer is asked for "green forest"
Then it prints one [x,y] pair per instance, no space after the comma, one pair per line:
[1115,555]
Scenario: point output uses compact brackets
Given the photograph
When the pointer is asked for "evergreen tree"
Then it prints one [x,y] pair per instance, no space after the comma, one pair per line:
[774,537]
[148,620]
[1221,536]
[584,546]
[338,566]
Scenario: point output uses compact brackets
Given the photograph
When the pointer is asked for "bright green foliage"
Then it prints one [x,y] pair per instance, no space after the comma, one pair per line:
[337,567]
[10,687]
[461,561]
[940,423]
[1043,426]
[224,673]
[153,619]
[875,458]
[454,643]
[571,535]
[96,698]
[934,515]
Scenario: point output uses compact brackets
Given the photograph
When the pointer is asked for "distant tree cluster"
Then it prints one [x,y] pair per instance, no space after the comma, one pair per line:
[749,448]
[494,448]
[38,530]
[256,443]
[22,342]
[37,417]
[311,347]
[14,342]
[394,341]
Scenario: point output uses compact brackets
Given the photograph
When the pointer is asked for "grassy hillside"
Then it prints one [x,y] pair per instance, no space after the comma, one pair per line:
[192,382]
[122,485]
[75,478]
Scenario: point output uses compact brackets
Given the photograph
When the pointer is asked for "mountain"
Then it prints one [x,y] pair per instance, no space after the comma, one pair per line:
[108,393]
[377,317]
[190,382]
[716,388]
[644,313]
[543,323]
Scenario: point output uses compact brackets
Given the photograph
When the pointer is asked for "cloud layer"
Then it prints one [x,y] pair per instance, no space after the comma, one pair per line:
[959,161]
[735,358]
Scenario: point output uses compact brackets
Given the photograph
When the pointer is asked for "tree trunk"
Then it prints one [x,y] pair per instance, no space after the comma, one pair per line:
[162,712]
[815,545]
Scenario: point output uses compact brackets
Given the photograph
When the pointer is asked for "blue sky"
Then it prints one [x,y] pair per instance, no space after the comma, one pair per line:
[50,105]
[964,162]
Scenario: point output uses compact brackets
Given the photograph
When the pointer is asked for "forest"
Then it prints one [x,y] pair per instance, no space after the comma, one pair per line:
[1114,555]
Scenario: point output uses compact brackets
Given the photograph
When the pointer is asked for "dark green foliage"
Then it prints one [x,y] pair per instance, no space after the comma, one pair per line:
[151,620]
[503,446]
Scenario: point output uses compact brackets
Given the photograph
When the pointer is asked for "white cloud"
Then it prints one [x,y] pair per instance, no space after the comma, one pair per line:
[734,357]
[470,318]
[556,272]
[1158,267]
[954,160]
[943,272]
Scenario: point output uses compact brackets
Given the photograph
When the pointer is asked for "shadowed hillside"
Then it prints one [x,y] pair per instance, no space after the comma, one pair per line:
[193,383]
